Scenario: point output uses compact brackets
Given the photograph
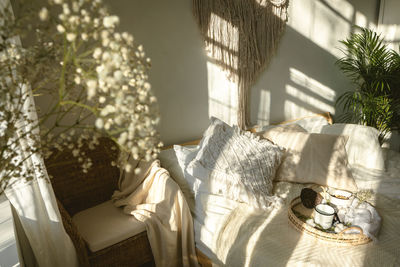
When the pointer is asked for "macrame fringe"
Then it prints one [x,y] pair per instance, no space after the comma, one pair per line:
[241,37]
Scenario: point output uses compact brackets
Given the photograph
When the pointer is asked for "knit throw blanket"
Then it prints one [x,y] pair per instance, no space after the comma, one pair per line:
[153,197]
[241,36]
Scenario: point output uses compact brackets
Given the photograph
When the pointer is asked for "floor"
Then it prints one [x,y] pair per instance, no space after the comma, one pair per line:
[8,248]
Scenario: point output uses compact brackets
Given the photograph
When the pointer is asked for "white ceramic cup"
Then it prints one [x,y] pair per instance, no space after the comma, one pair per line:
[324,215]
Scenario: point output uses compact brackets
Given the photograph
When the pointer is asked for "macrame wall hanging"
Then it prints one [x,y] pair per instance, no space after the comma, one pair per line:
[241,37]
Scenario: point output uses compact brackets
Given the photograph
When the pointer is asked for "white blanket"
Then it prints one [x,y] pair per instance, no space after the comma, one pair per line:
[231,234]
[155,199]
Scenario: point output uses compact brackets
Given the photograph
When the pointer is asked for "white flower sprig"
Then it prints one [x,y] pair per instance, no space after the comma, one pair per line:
[93,78]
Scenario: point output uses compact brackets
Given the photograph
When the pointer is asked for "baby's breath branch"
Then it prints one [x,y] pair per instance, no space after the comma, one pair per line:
[88,69]
[63,114]
[87,107]
[64,66]
[117,131]
[21,136]
[77,124]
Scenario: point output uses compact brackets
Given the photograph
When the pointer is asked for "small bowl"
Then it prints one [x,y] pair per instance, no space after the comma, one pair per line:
[340,197]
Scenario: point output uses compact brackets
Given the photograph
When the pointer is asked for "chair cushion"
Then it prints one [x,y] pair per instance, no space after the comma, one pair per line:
[105,225]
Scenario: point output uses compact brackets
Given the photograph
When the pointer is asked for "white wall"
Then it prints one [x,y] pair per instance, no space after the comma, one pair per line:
[301,78]
[178,75]
[389,22]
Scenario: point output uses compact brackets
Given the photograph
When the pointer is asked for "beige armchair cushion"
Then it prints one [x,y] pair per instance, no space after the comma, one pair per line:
[105,225]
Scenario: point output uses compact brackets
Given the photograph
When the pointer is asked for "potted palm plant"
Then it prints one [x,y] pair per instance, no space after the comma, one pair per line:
[374,69]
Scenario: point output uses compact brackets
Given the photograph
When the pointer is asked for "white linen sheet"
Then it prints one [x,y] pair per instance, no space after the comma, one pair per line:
[234,234]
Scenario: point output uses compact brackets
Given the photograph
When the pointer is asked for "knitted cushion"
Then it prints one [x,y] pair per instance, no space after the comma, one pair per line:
[236,164]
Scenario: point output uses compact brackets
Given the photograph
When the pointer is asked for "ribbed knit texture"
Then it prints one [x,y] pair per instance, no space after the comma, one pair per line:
[240,165]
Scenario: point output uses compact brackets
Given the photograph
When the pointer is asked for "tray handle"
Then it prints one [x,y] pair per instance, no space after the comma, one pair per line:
[352,228]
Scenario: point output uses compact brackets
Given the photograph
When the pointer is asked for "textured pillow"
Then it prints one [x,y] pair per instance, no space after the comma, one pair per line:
[363,148]
[312,158]
[235,164]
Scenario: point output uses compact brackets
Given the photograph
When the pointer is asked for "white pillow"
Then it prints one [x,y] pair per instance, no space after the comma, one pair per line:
[185,154]
[167,158]
[175,161]
[312,157]
[363,148]
[237,165]
[310,124]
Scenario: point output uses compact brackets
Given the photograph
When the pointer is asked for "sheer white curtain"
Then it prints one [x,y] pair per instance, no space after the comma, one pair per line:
[40,233]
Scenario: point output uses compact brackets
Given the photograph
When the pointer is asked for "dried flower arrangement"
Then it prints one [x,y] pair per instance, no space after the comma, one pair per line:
[93,78]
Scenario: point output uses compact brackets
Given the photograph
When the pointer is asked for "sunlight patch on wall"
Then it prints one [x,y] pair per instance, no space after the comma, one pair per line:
[220,29]
[392,35]
[222,91]
[311,84]
[300,101]
[361,20]
[389,23]
[324,23]
[222,95]
[263,117]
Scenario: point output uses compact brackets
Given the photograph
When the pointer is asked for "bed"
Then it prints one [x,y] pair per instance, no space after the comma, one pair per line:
[233,233]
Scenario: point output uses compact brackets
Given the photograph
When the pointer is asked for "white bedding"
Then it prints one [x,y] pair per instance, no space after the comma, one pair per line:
[233,234]
[386,183]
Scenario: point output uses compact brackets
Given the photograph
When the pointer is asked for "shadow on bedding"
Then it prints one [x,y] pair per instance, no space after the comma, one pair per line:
[265,238]
[386,186]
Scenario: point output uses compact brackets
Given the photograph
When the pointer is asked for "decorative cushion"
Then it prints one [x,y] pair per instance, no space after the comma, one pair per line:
[237,165]
[312,158]
[105,225]
[363,148]
[285,128]
[310,123]
[167,158]
[184,155]
[170,161]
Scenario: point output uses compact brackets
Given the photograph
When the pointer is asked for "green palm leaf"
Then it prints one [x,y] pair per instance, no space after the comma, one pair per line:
[374,69]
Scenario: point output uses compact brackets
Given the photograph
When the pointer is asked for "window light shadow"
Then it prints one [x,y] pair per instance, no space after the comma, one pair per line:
[317,29]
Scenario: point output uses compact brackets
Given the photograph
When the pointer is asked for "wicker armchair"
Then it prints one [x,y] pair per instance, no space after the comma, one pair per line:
[77,192]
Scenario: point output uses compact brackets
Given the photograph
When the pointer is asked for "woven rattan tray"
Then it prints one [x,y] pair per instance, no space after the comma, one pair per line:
[341,238]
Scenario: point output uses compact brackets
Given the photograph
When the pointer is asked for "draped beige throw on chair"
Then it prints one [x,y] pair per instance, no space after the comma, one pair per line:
[241,37]
[154,198]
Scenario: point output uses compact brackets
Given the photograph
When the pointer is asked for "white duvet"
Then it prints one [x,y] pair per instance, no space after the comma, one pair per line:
[385,183]
[233,234]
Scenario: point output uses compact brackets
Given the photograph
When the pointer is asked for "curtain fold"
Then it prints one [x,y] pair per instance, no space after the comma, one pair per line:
[41,235]
[35,205]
